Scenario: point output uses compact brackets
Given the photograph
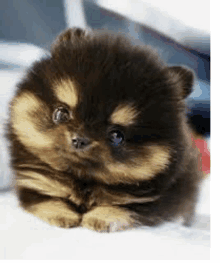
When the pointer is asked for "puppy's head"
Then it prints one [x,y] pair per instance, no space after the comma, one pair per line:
[102,108]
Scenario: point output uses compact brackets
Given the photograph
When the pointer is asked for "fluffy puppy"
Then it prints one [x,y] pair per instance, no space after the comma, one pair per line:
[99,136]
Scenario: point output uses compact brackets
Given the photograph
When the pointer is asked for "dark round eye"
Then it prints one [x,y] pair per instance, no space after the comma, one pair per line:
[116,137]
[61,115]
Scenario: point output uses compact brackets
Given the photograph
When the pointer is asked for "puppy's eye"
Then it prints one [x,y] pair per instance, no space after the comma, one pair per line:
[116,137]
[61,115]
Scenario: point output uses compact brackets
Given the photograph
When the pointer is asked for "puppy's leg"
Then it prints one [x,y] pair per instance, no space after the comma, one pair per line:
[52,210]
[189,215]
[189,218]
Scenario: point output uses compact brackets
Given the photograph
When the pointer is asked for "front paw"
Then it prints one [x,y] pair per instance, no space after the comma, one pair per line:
[55,213]
[96,224]
[62,222]
[107,219]
[103,226]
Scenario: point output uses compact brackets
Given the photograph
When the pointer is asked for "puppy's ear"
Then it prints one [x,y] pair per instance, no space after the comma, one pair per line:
[185,77]
[67,36]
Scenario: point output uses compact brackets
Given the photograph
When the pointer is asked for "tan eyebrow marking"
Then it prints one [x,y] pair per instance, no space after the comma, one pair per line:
[66,92]
[124,115]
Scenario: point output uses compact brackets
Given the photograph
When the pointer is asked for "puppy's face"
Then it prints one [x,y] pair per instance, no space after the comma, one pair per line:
[102,109]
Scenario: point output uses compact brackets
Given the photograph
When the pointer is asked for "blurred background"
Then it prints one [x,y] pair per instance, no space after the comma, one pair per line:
[178,30]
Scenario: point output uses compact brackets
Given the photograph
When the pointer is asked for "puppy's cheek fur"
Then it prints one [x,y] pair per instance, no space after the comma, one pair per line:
[55,154]
[55,213]
[108,219]
[28,117]
[154,159]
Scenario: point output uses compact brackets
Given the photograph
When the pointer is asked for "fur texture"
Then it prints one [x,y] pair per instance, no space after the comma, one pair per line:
[99,136]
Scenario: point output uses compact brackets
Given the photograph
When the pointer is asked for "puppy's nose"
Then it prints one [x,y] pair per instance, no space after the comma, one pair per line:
[80,143]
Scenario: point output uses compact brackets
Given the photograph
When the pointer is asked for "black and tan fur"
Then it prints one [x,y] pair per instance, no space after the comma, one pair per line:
[105,84]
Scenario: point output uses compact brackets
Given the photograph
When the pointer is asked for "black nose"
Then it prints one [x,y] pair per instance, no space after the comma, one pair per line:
[80,143]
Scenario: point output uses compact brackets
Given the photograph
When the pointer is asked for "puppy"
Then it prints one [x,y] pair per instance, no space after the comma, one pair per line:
[99,136]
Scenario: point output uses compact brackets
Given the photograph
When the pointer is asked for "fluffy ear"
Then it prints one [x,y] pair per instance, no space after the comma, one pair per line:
[185,77]
[69,35]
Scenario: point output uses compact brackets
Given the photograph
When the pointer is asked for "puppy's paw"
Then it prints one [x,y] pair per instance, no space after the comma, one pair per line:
[63,222]
[96,224]
[55,213]
[107,219]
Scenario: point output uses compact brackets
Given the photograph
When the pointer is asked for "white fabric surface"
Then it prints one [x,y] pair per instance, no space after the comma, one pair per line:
[23,236]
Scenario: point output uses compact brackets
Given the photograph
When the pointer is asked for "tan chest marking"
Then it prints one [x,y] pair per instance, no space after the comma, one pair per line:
[114,198]
[45,185]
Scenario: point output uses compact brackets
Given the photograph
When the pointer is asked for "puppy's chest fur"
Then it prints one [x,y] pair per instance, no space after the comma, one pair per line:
[99,136]
[75,203]
[68,201]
